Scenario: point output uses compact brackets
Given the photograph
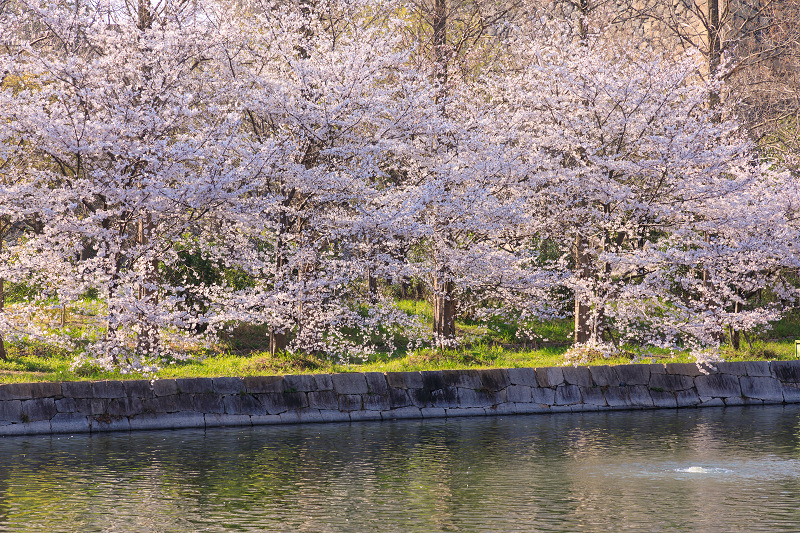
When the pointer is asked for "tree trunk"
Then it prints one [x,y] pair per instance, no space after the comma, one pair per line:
[147,340]
[277,339]
[440,42]
[714,47]
[734,333]
[372,286]
[444,310]
[583,332]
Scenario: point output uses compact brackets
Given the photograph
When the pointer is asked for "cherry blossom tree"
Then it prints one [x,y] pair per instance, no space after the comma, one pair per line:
[657,204]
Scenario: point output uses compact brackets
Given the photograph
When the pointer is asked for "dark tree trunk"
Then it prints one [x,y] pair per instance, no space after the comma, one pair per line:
[148,338]
[583,332]
[372,286]
[444,310]
[714,47]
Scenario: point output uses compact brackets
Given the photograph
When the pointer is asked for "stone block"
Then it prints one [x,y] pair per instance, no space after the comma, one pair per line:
[108,389]
[577,375]
[399,398]
[432,380]
[761,388]
[584,407]
[46,390]
[663,399]
[757,368]
[376,402]
[633,374]
[296,416]
[657,368]
[164,387]
[735,368]
[446,397]
[543,396]
[300,383]
[684,369]
[567,395]
[718,386]
[465,411]
[419,397]
[404,380]
[201,403]
[494,379]
[295,400]
[242,404]
[105,423]
[11,410]
[687,398]
[531,408]
[194,385]
[63,405]
[785,371]
[518,394]
[228,385]
[41,427]
[791,392]
[670,382]
[616,397]
[376,382]
[551,376]
[433,412]
[477,398]
[226,419]
[70,423]
[16,391]
[75,389]
[733,400]
[522,376]
[462,379]
[136,388]
[501,409]
[593,396]
[401,413]
[707,401]
[561,408]
[350,402]
[167,421]
[361,416]
[98,406]
[323,382]
[639,396]
[604,376]
[263,384]
[156,405]
[265,420]
[124,406]
[350,383]
[326,399]
[753,401]
[38,409]
[333,415]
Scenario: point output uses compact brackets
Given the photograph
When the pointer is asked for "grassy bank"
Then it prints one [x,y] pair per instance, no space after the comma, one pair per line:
[31,365]
[245,353]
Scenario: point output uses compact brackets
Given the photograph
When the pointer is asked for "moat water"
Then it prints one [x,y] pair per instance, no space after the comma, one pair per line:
[698,470]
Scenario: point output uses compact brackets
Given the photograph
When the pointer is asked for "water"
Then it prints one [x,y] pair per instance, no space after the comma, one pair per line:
[714,469]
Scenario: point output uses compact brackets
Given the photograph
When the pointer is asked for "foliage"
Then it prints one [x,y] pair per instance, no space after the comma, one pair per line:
[207,169]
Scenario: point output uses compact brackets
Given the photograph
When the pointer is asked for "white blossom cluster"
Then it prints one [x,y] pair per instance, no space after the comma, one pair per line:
[208,164]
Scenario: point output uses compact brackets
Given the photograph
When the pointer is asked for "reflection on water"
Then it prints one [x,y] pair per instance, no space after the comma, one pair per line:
[732,469]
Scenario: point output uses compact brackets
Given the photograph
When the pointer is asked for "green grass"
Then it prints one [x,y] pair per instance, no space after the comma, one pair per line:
[496,345]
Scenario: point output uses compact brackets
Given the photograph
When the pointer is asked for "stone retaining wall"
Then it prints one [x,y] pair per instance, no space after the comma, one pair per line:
[74,407]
